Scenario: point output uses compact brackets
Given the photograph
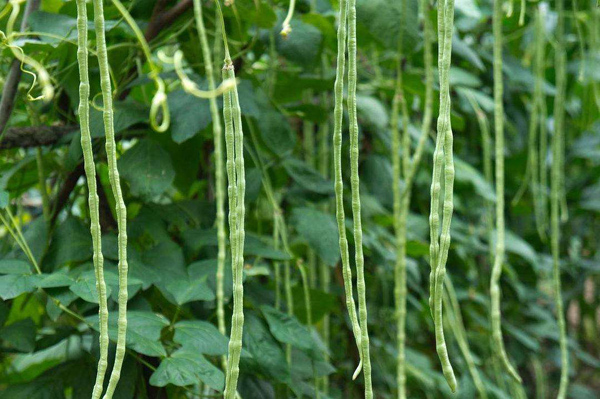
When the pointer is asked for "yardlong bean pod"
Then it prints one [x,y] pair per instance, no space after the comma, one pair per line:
[500,249]
[93,201]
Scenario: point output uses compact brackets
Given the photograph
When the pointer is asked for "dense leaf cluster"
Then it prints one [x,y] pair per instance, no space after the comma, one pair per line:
[49,320]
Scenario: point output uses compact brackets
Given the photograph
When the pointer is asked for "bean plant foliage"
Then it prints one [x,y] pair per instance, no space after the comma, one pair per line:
[305,198]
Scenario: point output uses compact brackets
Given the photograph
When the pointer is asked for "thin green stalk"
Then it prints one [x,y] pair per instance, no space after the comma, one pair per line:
[484,127]
[402,199]
[443,156]
[159,101]
[289,300]
[16,234]
[93,201]
[42,180]
[325,271]
[522,13]
[308,130]
[399,267]
[540,74]
[121,210]
[540,102]
[540,379]
[338,180]
[219,178]
[306,290]
[277,265]
[458,326]
[356,208]
[500,249]
[557,189]
[286,27]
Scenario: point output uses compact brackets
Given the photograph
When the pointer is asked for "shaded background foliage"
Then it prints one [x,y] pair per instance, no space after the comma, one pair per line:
[50,351]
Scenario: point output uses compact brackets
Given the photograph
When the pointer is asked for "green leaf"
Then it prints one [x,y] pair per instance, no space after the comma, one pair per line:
[307,177]
[186,124]
[13,285]
[302,45]
[321,304]
[126,114]
[467,173]
[60,25]
[384,20]
[20,335]
[287,329]
[276,132]
[320,230]
[267,356]
[57,279]
[148,169]
[186,290]
[71,242]
[187,367]
[200,336]
[372,112]
[4,199]
[143,331]
[85,286]
[14,266]
[255,246]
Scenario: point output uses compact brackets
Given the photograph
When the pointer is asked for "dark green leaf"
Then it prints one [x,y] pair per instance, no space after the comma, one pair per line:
[148,169]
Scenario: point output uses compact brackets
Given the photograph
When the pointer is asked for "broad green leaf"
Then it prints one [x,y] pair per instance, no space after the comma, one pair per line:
[186,124]
[320,230]
[85,286]
[200,336]
[208,268]
[321,303]
[59,25]
[267,355]
[126,114]
[255,246]
[71,242]
[372,112]
[307,177]
[57,279]
[518,246]
[302,45]
[14,266]
[467,173]
[19,335]
[148,169]
[188,289]
[187,367]
[143,331]
[276,132]
[384,20]
[287,329]
[13,285]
